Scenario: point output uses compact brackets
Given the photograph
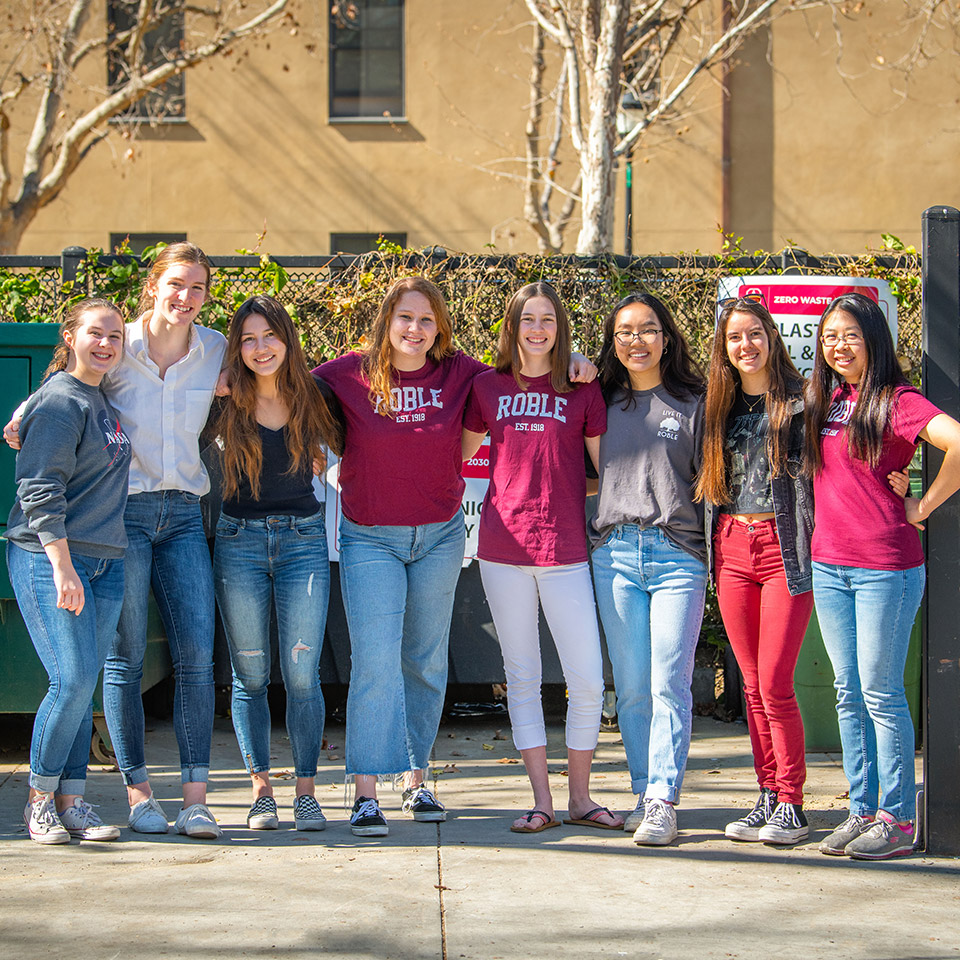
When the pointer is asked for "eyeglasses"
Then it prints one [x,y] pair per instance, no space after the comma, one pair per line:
[850,339]
[746,298]
[626,337]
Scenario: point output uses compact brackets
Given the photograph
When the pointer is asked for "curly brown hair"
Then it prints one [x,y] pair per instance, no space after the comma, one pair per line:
[378,359]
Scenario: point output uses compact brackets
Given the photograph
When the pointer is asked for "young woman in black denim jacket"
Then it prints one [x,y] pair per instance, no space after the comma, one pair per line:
[759,525]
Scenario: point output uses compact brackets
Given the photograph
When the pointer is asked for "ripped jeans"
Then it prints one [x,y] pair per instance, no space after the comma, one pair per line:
[280,561]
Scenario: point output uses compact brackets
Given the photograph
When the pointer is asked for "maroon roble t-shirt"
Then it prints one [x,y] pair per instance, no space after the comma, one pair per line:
[859,521]
[405,469]
[533,513]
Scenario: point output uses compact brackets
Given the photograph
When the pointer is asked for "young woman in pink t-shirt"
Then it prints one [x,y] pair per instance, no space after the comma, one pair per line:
[533,545]
[863,420]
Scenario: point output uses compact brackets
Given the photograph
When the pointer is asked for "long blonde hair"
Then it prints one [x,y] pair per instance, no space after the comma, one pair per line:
[377,361]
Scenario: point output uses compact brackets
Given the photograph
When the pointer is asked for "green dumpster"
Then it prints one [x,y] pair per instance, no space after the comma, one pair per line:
[25,351]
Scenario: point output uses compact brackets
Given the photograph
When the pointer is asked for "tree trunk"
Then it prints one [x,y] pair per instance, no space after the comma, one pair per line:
[604,53]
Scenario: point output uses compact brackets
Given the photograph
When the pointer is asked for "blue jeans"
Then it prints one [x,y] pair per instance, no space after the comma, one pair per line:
[865,619]
[166,548]
[278,562]
[398,589]
[650,594]
[72,650]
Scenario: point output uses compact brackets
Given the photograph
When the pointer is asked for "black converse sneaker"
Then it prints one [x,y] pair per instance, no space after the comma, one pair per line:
[367,820]
[748,826]
[423,805]
[787,825]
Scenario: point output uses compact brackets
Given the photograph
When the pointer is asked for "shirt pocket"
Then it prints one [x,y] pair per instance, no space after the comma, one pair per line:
[197,408]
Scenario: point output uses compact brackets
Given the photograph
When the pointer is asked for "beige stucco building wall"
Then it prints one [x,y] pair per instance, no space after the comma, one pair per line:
[825,161]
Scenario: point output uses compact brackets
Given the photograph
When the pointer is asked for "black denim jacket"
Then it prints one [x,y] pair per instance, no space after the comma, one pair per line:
[793,507]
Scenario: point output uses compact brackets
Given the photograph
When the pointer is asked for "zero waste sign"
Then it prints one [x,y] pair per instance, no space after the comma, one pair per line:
[797,302]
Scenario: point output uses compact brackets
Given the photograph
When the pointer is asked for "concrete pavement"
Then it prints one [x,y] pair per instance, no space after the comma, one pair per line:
[467,888]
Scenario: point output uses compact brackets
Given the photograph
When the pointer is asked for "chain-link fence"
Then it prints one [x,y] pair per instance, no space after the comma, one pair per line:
[334,298]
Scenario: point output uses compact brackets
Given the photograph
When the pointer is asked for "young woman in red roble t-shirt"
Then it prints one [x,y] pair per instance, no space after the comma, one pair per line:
[533,545]
[863,420]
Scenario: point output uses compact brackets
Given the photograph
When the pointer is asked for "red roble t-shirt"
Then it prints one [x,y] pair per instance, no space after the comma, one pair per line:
[859,520]
[533,513]
[405,469]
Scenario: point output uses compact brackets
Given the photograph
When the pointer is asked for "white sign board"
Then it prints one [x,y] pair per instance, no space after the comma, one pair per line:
[797,302]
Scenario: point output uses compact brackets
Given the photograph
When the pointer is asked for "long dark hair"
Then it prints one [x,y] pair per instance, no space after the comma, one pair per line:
[881,378]
[680,374]
[310,421]
[508,350]
[786,385]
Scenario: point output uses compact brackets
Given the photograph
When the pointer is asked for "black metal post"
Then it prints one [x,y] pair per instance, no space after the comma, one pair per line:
[70,260]
[941,621]
[628,206]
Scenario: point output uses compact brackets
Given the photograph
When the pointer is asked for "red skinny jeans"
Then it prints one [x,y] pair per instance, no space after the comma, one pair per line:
[766,627]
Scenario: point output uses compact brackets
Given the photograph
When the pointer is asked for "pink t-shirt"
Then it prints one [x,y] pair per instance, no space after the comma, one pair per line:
[859,520]
[533,513]
[403,470]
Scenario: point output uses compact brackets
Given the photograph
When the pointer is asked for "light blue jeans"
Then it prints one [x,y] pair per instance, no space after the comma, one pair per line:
[398,589]
[865,619]
[278,562]
[650,594]
[166,549]
[72,650]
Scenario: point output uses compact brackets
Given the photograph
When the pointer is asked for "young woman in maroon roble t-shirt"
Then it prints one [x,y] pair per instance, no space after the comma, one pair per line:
[532,543]
[863,421]
[401,539]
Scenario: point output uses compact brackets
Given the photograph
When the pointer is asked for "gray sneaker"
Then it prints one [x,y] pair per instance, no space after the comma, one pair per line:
[659,826]
[43,823]
[884,839]
[197,821]
[84,823]
[633,820]
[263,814]
[147,816]
[748,826]
[848,831]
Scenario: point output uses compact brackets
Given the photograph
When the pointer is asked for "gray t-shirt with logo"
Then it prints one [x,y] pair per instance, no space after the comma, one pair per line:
[649,458]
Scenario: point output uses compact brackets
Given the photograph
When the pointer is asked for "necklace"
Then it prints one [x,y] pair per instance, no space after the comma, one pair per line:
[752,406]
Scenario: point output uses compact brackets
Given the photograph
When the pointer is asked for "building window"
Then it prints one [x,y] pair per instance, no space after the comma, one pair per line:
[363,242]
[138,242]
[162,42]
[366,60]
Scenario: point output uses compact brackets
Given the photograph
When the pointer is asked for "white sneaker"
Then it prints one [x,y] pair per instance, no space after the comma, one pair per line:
[84,823]
[147,816]
[197,821]
[42,822]
[659,826]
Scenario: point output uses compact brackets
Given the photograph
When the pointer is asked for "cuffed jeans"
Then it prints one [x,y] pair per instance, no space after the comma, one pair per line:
[258,564]
[72,650]
[166,548]
[865,619]
[650,593]
[766,627]
[514,594]
[398,590]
